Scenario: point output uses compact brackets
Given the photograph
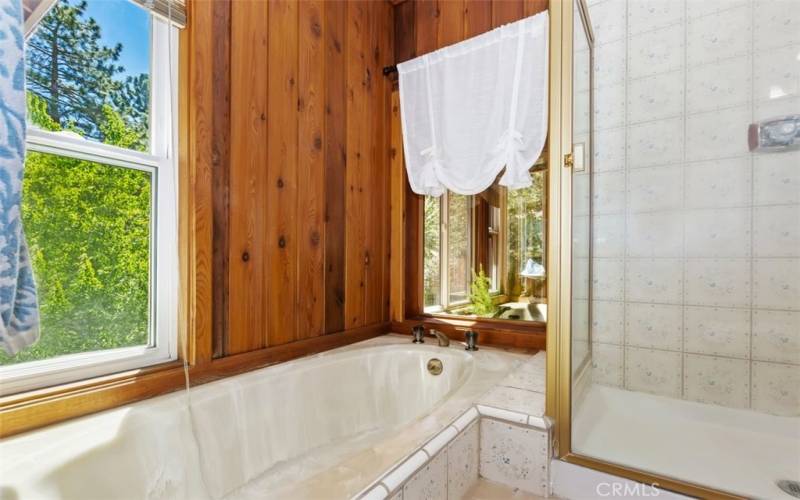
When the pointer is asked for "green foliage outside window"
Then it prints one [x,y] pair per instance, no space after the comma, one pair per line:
[87,224]
[480,295]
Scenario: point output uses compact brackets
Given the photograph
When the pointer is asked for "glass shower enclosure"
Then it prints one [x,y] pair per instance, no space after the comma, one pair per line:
[685,259]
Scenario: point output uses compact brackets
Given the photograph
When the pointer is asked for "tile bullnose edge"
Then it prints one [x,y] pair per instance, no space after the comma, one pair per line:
[404,471]
[441,440]
[507,415]
[377,492]
[466,419]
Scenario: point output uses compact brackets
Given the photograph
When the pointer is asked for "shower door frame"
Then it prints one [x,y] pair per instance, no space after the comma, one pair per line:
[559,252]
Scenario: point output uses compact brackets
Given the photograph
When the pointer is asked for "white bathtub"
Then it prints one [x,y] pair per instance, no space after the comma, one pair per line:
[319,427]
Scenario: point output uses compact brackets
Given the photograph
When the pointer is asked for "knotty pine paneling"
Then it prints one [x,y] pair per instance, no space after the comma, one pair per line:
[433,24]
[307,206]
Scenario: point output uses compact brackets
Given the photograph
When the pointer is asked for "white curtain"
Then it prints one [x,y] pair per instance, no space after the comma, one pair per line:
[472,108]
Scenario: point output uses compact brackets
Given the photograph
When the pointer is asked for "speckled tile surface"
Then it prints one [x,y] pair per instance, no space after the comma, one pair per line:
[462,462]
[530,375]
[511,398]
[429,483]
[515,456]
[488,490]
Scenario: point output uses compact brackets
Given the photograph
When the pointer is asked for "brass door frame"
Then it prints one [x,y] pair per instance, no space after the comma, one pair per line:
[558,401]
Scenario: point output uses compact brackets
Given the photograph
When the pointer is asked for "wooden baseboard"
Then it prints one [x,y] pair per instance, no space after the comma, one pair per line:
[35,409]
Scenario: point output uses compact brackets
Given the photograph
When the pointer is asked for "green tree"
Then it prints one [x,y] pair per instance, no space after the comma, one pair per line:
[480,295]
[76,75]
[88,227]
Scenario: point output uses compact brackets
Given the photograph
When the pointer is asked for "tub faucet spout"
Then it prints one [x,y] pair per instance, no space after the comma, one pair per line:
[443,339]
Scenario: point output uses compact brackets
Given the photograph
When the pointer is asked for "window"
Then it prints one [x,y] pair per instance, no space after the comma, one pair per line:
[99,194]
[484,255]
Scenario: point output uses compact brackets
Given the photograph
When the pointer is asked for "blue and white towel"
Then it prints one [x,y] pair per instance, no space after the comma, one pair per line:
[19,311]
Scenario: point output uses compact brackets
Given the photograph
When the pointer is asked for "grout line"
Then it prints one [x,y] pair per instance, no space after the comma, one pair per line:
[752,210]
[684,167]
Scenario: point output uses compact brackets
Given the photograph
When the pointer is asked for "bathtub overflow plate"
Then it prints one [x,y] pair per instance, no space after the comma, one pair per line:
[435,366]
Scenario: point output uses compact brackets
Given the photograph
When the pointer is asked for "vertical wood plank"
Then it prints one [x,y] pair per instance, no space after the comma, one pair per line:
[427,32]
[221,163]
[359,80]
[335,163]
[533,7]
[477,17]
[374,196]
[397,207]
[451,22]
[310,299]
[506,11]
[197,166]
[387,54]
[281,215]
[248,177]
[405,29]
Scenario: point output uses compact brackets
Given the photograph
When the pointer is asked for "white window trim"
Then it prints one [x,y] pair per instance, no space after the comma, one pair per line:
[161,163]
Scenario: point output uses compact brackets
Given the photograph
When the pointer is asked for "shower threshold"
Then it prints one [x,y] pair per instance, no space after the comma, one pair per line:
[735,450]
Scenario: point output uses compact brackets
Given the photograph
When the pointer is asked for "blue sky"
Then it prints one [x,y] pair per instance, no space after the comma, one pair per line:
[122,21]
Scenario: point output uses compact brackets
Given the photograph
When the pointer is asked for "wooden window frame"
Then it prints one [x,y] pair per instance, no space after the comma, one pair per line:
[406,272]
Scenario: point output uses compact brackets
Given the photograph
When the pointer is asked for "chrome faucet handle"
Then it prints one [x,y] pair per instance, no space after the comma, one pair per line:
[419,334]
[471,337]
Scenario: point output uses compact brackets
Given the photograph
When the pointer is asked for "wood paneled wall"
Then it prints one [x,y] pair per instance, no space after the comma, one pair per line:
[301,210]
[422,26]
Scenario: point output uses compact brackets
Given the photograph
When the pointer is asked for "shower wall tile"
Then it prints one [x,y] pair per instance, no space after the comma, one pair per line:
[653,280]
[655,97]
[657,234]
[719,85]
[718,232]
[718,282]
[717,134]
[702,301]
[605,20]
[777,231]
[608,321]
[608,193]
[608,235]
[775,107]
[607,279]
[655,326]
[718,183]
[776,284]
[776,336]
[609,150]
[607,364]
[698,8]
[653,371]
[717,331]
[609,63]
[719,381]
[777,73]
[647,15]
[655,188]
[777,23]
[776,178]
[711,38]
[776,388]
[655,143]
[609,106]
[654,52]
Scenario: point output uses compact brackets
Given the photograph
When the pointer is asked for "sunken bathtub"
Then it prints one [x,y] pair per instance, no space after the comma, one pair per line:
[323,426]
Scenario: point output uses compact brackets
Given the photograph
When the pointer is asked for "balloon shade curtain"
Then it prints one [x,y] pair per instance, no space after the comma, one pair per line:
[19,311]
[473,108]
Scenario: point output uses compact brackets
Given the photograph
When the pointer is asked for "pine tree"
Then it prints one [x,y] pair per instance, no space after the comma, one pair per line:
[71,70]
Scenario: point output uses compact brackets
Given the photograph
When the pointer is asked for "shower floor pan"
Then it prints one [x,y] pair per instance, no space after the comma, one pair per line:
[735,450]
